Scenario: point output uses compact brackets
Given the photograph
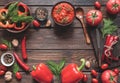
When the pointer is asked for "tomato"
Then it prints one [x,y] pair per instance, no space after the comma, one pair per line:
[3,47]
[109,76]
[2,72]
[94,17]
[85,78]
[104,66]
[116,70]
[97,5]
[113,6]
[94,80]
[2,67]
[94,73]
[36,23]
[18,75]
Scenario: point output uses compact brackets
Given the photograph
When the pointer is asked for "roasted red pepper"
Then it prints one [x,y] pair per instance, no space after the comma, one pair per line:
[23,46]
[108,47]
[22,64]
[42,74]
[71,73]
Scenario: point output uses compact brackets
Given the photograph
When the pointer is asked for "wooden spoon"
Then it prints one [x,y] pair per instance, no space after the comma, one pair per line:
[80,15]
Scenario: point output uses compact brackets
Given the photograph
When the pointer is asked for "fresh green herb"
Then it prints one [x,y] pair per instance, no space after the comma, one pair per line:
[108,27]
[15,68]
[56,68]
[13,14]
[12,10]
[64,20]
[22,18]
[7,43]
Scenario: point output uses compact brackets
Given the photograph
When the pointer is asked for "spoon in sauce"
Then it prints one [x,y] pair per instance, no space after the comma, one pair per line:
[80,17]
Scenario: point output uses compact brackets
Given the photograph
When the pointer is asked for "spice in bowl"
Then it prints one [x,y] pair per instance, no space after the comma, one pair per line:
[41,14]
[7,59]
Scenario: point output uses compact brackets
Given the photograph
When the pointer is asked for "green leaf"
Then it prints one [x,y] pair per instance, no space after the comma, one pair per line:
[12,10]
[61,65]
[108,27]
[15,68]
[22,18]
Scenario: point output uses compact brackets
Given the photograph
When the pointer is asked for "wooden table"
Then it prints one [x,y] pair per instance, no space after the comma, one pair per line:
[55,43]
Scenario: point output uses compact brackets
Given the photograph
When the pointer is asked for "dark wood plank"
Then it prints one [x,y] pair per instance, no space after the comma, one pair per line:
[50,2]
[58,38]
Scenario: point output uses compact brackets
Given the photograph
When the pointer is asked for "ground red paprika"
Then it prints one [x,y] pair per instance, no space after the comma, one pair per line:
[71,73]
[42,74]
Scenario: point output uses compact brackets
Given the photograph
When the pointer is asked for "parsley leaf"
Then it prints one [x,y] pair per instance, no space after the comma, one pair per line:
[15,68]
[108,27]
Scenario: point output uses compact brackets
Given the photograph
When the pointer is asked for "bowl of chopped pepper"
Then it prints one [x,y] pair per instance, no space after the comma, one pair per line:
[15,17]
[63,13]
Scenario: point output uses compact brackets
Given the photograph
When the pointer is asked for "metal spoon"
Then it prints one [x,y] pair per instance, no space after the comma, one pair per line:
[80,15]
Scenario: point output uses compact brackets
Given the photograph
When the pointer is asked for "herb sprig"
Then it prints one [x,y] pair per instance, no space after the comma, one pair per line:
[108,27]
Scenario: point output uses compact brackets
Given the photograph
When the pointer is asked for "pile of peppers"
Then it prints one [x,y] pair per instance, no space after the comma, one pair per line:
[107,55]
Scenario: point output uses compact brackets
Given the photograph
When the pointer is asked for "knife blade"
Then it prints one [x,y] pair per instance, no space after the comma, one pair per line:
[98,46]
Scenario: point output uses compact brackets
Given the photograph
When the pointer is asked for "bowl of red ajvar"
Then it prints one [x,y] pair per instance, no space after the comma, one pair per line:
[63,13]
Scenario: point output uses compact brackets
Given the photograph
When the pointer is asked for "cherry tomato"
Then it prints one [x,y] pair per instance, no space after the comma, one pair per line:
[113,6]
[97,5]
[3,47]
[36,23]
[94,80]
[94,73]
[18,75]
[94,17]
[104,66]
[116,70]
[85,78]
[2,67]
[2,72]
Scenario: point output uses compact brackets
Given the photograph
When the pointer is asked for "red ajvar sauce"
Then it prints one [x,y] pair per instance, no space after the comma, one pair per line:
[63,13]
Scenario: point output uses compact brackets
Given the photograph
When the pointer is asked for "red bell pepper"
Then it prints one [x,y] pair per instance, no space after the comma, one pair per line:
[42,74]
[71,73]
[108,47]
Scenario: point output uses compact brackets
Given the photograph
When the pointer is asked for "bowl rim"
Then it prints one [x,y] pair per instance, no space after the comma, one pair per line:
[27,25]
[60,23]
[2,59]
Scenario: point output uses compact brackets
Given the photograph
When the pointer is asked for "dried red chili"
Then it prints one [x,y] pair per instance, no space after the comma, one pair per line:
[108,47]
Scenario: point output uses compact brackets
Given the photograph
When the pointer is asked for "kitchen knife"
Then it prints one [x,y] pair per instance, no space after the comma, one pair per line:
[98,46]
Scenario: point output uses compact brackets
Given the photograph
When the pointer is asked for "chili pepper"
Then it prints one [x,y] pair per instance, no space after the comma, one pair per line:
[2,67]
[18,75]
[42,74]
[2,72]
[22,64]
[3,47]
[71,73]
[23,46]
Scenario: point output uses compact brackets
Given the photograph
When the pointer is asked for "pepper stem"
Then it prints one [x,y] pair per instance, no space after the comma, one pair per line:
[34,68]
[82,65]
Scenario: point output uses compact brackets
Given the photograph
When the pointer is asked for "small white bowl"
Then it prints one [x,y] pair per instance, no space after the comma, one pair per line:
[7,64]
